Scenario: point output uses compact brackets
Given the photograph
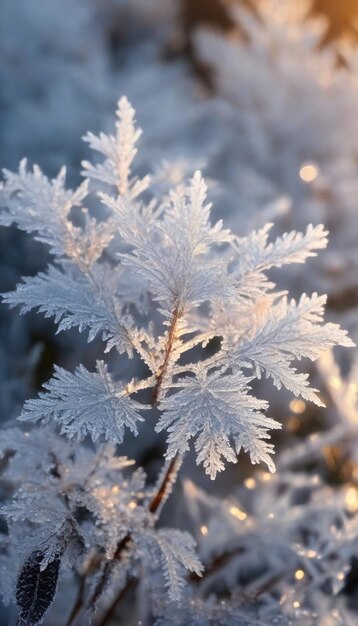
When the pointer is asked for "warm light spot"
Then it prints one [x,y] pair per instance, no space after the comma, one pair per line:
[311,554]
[299,574]
[351,499]
[335,382]
[250,483]
[236,512]
[204,530]
[297,406]
[296,604]
[308,172]
[341,576]
[266,476]
[115,489]
[132,505]
[293,424]
[271,516]
[190,488]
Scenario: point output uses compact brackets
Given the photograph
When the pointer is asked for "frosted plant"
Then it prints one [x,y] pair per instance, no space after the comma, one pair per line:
[64,75]
[76,502]
[293,108]
[280,548]
[341,418]
[63,79]
[190,303]
[50,75]
[286,90]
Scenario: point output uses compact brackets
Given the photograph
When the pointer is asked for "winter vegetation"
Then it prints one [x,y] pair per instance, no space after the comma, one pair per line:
[179,439]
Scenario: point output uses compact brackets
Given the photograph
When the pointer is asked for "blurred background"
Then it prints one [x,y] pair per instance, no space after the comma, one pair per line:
[261,95]
[201,102]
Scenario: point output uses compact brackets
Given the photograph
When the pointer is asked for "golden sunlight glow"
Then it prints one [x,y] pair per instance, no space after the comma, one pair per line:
[293,424]
[351,499]
[204,530]
[309,172]
[299,574]
[341,576]
[250,483]
[311,554]
[236,512]
[335,382]
[115,489]
[296,604]
[297,406]
[132,505]
[266,476]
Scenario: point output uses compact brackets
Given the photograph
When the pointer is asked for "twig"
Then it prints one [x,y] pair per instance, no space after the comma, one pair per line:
[77,607]
[168,350]
[161,494]
[156,502]
[112,608]
[80,600]
[219,562]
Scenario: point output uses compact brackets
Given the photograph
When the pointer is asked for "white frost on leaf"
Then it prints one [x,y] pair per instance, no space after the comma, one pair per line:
[86,403]
[174,551]
[288,332]
[119,152]
[41,206]
[176,256]
[215,409]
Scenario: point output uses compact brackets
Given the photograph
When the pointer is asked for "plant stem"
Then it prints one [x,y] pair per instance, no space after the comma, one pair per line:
[168,350]
[112,608]
[156,503]
[161,494]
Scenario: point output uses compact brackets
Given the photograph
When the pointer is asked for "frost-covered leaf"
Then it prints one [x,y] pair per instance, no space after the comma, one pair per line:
[119,152]
[173,255]
[289,331]
[255,255]
[86,403]
[36,588]
[76,300]
[175,550]
[214,409]
[36,505]
[40,205]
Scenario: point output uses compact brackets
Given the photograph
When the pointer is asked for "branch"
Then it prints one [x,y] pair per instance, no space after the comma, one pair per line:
[165,485]
[112,608]
[156,504]
[167,354]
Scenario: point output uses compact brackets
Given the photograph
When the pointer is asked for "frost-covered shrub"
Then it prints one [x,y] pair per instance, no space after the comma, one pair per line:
[189,303]
[63,79]
[291,127]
